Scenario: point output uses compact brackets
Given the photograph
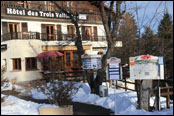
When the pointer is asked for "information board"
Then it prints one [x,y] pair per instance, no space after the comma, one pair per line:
[114,69]
[91,61]
[146,67]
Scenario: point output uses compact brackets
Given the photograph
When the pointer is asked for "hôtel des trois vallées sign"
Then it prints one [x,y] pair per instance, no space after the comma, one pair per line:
[34,13]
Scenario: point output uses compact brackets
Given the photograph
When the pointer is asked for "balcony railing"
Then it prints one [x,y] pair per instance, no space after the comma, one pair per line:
[48,37]
[43,7]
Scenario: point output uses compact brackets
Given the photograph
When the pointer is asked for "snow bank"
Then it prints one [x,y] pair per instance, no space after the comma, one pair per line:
[21,107]
[126,102]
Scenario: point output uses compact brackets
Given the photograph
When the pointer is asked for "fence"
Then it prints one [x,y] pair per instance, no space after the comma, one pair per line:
[77,76]
[125,85]
[48,37]
[74,76]
[165,92]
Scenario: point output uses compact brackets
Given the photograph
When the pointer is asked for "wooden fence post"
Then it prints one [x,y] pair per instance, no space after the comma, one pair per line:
[168,97]
[125,85]
[158,97]
[116,84]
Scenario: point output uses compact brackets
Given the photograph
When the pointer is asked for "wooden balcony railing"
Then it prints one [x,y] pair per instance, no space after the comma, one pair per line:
[43,7]
[48,37]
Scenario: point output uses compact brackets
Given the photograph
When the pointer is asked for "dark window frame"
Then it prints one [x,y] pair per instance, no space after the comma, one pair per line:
[16,64]
[30,66]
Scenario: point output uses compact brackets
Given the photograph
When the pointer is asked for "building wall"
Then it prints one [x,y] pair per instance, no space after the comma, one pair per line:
[35,26]
[31,48]
[21,49]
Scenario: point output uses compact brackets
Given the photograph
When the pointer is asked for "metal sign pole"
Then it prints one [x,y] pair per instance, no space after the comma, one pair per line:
[115,98]
[158,97]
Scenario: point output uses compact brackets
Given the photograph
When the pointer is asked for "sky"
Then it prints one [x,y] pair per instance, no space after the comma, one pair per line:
[149,12]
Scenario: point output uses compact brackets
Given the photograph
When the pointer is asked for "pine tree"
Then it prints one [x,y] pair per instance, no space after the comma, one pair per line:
[165,37]
[165,28]
[128,35]
[148,42]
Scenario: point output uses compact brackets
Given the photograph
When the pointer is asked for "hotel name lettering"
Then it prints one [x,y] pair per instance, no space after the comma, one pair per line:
[46,14]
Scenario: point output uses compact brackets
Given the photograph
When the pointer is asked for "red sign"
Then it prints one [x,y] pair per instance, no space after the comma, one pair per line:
[145,57]
[132,62]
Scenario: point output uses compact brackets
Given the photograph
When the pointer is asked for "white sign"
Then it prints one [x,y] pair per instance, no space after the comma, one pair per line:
[82,16]
[113,69]
[118,44]
[146,67]
[113,60]
[33,13]
[91,62]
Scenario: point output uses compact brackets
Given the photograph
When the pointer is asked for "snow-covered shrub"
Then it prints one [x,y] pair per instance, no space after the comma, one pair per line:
[58,92]
[4,81]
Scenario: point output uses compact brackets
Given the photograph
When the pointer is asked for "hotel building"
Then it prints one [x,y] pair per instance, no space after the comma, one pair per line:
[29,28]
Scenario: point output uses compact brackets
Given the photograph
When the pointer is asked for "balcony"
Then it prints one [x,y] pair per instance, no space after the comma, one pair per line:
[38,6]
[48,37]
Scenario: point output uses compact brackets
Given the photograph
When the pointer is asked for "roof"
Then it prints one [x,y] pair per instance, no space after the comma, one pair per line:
[96,3]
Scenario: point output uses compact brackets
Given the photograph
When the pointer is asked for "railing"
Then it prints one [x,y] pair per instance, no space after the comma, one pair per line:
[43,7]
[48,37]
[165,92]
[67,75]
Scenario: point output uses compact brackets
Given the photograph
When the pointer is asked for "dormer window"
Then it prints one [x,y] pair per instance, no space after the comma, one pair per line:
[68,3]
[25,4]
[49,6]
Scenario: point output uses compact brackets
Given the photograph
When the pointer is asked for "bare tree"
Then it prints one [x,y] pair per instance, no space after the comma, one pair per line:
[111,21]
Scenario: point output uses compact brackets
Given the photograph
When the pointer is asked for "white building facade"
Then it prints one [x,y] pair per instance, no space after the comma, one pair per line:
[29,28]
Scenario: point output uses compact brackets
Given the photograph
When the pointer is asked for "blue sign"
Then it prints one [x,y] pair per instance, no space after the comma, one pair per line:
[160,60]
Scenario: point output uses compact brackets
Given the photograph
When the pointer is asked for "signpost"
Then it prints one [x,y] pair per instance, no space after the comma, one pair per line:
[114,72]
[91,62]
[147,68]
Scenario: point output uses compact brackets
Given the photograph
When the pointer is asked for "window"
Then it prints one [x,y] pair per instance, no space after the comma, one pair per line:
[69,4]
[68,59]
[16,64]
[48,32]
[71,31]
[14,29]
[49,6]
[87,32]
[31,63]
[25,4]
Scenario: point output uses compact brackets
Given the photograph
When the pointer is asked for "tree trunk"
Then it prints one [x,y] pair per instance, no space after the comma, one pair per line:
[144,95]
[90,79]
[101,74]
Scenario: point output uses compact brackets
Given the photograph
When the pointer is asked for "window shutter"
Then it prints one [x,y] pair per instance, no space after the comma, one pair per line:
[24,27]
[95,34]
[59,32]
[44,34]
[5,31]
[4,27]
[83,33]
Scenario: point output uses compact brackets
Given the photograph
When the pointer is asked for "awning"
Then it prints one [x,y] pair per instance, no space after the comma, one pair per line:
[47,54]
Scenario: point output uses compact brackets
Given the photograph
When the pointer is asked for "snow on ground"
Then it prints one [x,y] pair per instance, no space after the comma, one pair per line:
[20,107]
[125,103]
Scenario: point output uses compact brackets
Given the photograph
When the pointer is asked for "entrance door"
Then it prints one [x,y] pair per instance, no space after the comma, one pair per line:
[14,29]
[68,60]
